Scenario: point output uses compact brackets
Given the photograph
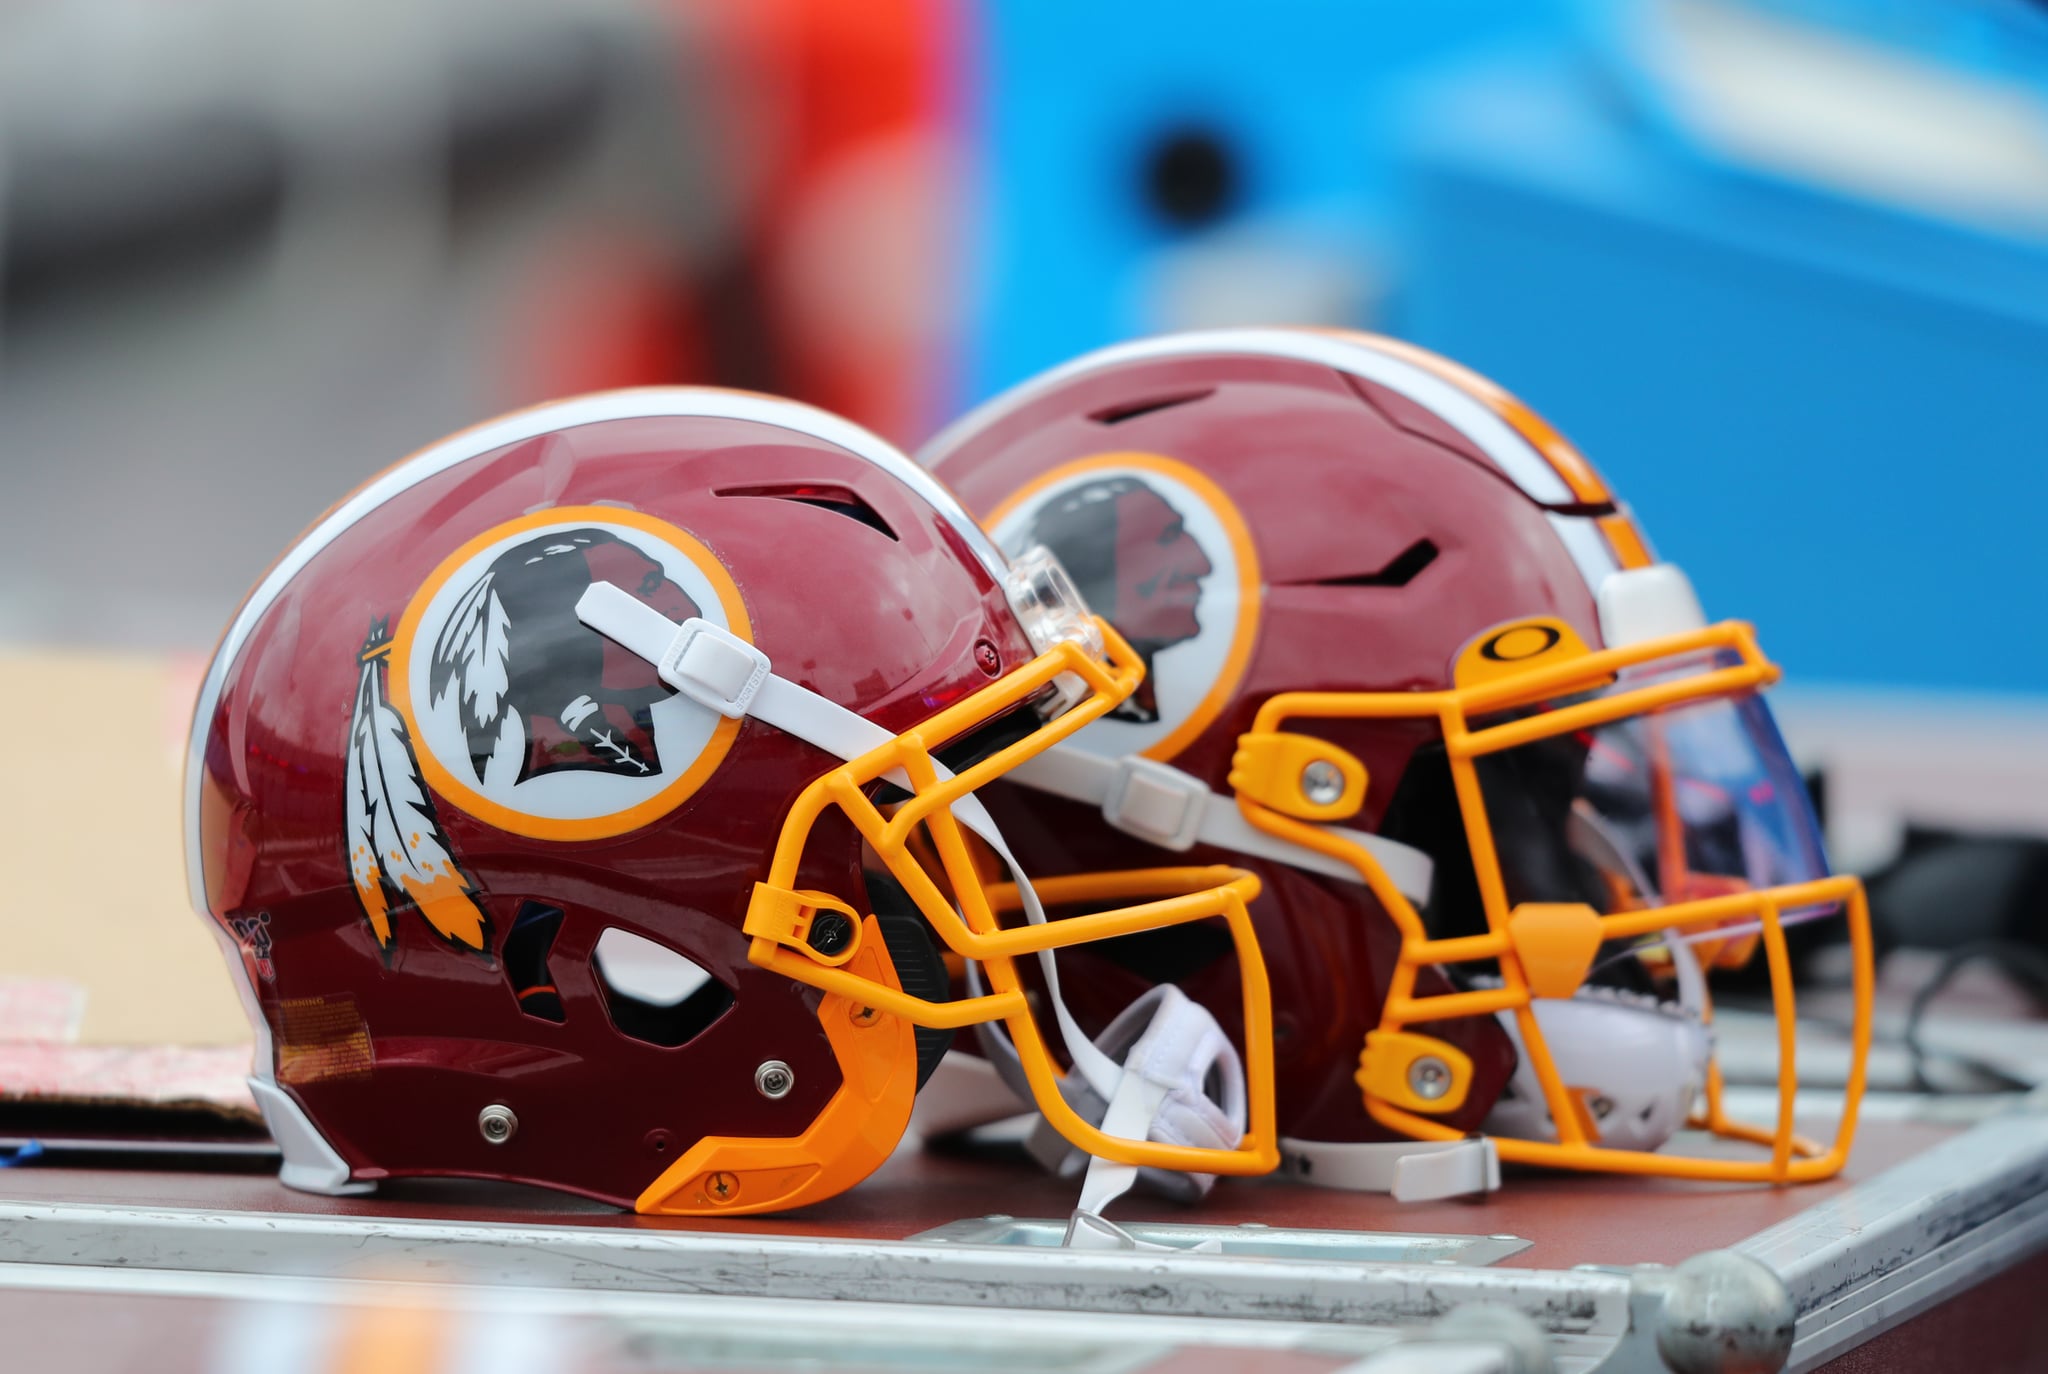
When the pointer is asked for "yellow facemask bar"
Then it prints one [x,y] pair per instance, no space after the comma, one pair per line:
[778,916]
[1545,950]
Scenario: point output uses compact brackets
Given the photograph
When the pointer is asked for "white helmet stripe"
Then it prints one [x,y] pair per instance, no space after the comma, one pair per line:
[1589,548]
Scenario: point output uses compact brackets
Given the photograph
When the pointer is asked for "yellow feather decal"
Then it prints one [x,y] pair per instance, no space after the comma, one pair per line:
[394,840]
[446,903]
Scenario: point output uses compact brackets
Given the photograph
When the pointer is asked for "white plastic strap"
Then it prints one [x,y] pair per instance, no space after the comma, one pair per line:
[679,651]
[1090,1231]
[1174,1044]
[1130,1116]
[1155,801]
[718,669]
[1411,1170]
[712,667]
[1163,805]
[1162,1096]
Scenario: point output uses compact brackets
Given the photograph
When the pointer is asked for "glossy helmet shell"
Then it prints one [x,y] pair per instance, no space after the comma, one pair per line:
[1389,506]
[853,572]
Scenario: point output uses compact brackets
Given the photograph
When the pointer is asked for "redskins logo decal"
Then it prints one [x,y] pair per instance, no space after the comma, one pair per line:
[1159,551]
[496,699]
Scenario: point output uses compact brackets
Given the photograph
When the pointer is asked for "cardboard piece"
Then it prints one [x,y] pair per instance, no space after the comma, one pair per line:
[111,989]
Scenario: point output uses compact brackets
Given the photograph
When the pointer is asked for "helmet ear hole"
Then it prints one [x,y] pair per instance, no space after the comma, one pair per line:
[525,958]
[653,993]
[1424,812]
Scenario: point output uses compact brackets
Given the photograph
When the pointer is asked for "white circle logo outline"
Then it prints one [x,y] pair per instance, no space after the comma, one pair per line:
[682,729]
[1186,673]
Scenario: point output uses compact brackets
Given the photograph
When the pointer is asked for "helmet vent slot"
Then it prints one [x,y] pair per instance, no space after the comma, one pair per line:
[839,500]
[525,957]
[654,994]
[1116,415]
[1404,568]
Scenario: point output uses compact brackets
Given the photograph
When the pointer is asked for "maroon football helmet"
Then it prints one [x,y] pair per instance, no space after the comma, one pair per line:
[1509,797]
[555,797]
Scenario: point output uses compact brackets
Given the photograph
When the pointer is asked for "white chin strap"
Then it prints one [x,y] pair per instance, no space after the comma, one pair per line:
[1180,1044]
[1174,810]
[1162,805]
[1638,1063]
[1174,1057]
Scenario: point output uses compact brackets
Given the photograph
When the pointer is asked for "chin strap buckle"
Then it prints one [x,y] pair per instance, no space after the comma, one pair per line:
[714,667]
[1156,802]
[707,663]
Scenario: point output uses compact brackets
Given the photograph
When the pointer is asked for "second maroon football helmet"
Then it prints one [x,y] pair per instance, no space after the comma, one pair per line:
[1510,798]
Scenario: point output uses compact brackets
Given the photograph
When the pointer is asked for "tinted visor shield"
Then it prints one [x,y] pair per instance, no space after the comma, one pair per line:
[1693,801]
[1632,821]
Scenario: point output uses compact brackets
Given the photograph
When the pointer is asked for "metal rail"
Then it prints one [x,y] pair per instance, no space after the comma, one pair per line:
[1811,1287]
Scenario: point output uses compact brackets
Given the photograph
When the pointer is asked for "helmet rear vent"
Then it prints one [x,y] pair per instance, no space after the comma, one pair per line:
[1402,569]
[654,994]
[1116,415]
[839,500]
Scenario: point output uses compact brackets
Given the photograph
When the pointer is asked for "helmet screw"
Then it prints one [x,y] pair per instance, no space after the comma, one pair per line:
[831,932]
[722,1187]
[1322,782]
[774,1080]
[497,1123]
[1429,1078]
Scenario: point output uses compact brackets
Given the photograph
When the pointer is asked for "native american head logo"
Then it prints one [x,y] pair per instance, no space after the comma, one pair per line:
[515,656]
[1159,551]
[1131,557]
[492,696]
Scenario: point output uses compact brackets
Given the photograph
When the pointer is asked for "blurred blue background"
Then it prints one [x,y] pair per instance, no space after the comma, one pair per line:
[1780,267]
[1781,270]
